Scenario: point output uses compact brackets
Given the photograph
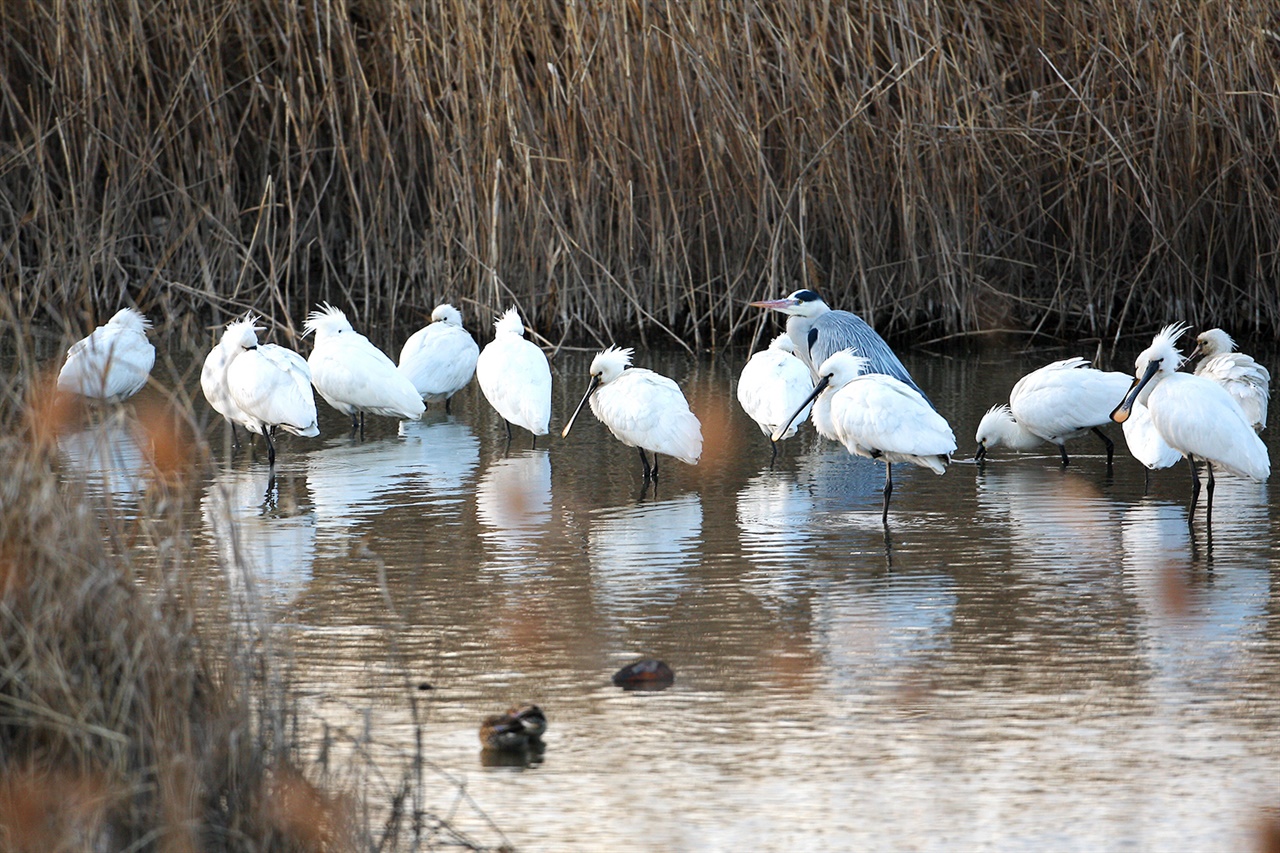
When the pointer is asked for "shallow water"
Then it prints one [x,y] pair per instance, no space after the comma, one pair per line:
[1032,658]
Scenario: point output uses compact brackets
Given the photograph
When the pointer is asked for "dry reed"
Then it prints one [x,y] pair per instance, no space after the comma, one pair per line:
[644,168]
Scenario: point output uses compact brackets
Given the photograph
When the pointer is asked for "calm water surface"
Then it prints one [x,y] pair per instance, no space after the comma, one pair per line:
[1033,659]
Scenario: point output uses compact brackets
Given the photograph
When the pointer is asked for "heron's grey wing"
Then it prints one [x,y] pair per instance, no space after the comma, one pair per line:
[837,330]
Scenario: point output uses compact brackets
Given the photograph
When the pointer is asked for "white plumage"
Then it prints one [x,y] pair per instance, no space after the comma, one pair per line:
[113,362]
[259,386]
[642,409]
[515,377]
[353,375]
[773,384]
[1245,380]
[1145,442]
[1194,415]
[1055,403]
[440,358]
[879,417]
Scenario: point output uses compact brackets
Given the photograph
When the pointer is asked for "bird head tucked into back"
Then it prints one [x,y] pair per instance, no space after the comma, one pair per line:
[804,303]
[241,334]
[509,324]
[129,318]
[326,322]
[783,343]
[447,314]
[1157,361]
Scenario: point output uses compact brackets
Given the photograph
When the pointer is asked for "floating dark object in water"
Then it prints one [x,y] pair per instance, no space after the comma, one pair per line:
[519,730]
[645,674]
[424,685]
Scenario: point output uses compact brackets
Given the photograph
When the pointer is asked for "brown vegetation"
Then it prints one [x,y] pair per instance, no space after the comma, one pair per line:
[1088,168]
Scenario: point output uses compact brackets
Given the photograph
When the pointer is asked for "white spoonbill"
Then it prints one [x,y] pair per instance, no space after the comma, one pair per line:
[515,377]
[440,358]
[269,386]
[1245,380]
[773,384]
[353,375]
[817,331]
[1055,403]
[879,417]
[113,362]
[1194,415]
[642,409]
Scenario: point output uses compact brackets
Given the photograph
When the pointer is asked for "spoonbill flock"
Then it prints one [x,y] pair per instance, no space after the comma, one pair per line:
[829,366]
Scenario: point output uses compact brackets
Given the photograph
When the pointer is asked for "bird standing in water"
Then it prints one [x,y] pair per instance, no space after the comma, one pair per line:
[772,385]
[440,358]
[1193,415]
[642,409]
[113,362]
[515,377]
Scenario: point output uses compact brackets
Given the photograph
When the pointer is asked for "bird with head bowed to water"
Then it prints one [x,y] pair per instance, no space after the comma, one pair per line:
[521,728]
[261,387]
[353,375]
[773,384]
[879,417]
[817,332]
[642,409]
[1056,403]
[440,358]
[113,362]
[1248,382]
[515,377]
[1193,415]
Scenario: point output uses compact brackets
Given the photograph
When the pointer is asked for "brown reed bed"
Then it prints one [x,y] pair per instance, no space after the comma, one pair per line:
[640,169]
[143,706]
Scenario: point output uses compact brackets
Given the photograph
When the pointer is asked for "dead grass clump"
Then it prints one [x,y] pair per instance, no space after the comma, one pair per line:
[117,726]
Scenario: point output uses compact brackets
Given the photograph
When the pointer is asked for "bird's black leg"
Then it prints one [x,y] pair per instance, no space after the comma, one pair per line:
[271,446]
[1111,445]
[1209,491]
[235,439]
[655,466]
[355,423]
[773,457]
[447,409]
[362,424]
[644,460]
[508,423]
[1062,448]
[533,445]
[888,490]
[1195,482]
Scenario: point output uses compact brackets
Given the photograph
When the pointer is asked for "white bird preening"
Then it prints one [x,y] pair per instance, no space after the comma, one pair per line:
[1193,415]
[515,377]
[642,409]
[440,358]
[113,362]
[817,332]
[772,386]
[879,417]
[1245,380]
[1055,403]
[263,387]
[353,375]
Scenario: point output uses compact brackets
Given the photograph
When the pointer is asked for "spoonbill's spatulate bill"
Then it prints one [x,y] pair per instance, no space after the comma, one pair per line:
[113,362]
[353,375]
[515,377]
[817,332]
[642,409]
[440,358]
[879,417]
[1056,403]
[1248,382]
[773,384]
[1193,415]
[270,386]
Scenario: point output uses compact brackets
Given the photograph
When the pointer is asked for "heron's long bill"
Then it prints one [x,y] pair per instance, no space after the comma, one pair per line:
[591,389]
[776,304]
[1121,412]
[817,389]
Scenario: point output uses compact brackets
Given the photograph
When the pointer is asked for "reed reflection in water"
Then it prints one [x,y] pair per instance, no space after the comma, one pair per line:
[1047,659]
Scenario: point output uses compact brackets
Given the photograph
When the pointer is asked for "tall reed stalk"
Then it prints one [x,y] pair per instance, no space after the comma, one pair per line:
[620,169]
